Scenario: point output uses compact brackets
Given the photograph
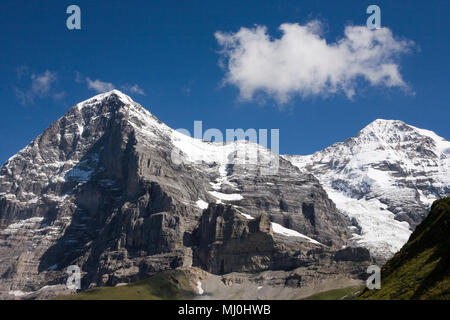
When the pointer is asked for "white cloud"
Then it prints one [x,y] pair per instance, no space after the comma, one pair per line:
[41,86]
[133,89]
[24,96]
[302,63]
[59,95]
[99,86]
[78,77]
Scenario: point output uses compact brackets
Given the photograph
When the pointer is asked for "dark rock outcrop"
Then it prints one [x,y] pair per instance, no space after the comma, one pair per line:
[352,254]
[229,242]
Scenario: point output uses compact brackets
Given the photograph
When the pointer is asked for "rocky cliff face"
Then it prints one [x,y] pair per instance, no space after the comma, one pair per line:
[230,241]
[76,195]
[101,189]
[384,179]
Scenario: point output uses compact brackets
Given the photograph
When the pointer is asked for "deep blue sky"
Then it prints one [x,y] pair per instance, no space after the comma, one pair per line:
[169,50]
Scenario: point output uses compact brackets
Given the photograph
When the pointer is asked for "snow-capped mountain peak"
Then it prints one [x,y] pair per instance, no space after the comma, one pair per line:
[385,178]
[394,132]
[97,99]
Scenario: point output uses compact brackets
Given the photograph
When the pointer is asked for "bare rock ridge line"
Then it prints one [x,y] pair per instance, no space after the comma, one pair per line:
[99,189]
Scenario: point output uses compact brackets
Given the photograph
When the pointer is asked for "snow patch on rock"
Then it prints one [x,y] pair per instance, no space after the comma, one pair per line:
[226,197]
[278,228]
[202,204]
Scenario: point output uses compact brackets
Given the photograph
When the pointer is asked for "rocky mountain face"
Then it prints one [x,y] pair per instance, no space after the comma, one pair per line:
[384,179]
[111,189]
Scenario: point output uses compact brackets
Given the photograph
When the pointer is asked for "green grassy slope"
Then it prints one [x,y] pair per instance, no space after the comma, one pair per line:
[348,293]
[421,269]
[167,285]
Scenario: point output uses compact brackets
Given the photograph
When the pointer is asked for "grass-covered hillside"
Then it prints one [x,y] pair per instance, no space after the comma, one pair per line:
[350,293]
[167,285]
[421,269]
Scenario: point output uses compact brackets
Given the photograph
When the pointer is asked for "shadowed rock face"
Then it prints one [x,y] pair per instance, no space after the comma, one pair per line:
[99,189]
[229,242]
[352,254]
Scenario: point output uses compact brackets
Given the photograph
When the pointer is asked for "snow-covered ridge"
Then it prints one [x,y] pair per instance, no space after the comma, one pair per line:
[192,151]
[187,149]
